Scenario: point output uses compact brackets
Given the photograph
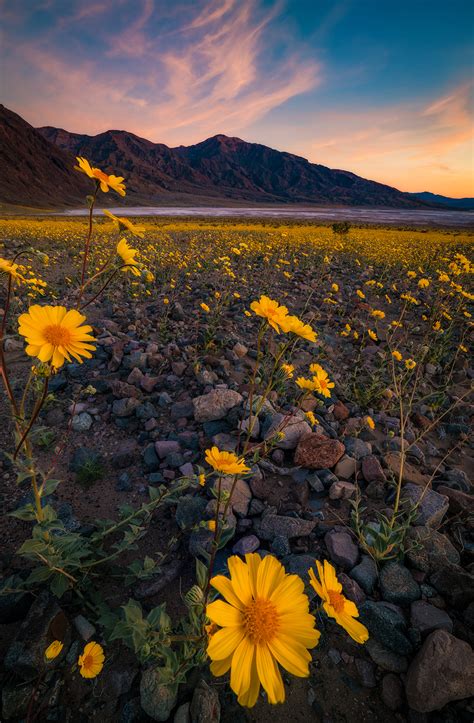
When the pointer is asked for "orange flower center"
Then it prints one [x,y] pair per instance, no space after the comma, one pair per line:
[261,621]
[336,600]
[57,335]
[100,175]
[87,661]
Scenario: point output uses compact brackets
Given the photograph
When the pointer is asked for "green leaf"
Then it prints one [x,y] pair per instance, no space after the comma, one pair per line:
[201,573]
[49,487]
[24,513]
[39,574]
[59,584]
[32,546]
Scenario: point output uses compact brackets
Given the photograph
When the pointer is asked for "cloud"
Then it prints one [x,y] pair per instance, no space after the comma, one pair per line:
[99,66]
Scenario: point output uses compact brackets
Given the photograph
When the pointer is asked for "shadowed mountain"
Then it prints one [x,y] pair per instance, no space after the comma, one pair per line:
[463,204]
[38,166]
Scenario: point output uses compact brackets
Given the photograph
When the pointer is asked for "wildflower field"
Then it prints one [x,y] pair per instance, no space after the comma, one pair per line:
[236,469]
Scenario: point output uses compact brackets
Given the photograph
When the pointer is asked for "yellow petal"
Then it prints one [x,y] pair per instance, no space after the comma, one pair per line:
[224,642]
[239,573]
[269,674]
[223,614]
[224,586]
[241,666]
[249,698]
[291,655]
[270,574]
[220,667]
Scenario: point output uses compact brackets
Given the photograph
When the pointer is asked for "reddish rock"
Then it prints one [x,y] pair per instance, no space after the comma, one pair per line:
[458,501]
[372,469]
[340,411]
[318,452]
[410,473]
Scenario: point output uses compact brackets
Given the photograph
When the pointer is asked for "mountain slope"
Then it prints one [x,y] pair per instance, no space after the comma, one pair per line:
[35,172]
[465,204]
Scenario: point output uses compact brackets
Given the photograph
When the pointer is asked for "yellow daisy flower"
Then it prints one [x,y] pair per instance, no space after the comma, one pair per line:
[91,661]
[291,324]
[335,604]
[105,181]
[53,650]
[205,307]
[55,334]
[127,254]
[265,622]
[123,224]
[270,310]
[225,462]
[12,270]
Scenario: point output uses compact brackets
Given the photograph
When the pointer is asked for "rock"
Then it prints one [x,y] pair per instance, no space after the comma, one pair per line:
[351,589]
[387,625]
[82,422]
[341,490]
[44,623]
[247,544]
[280,491]
[340,411]
[365,573]
[125,456]
[280,546]
[426,618]
[200,542]
[85,629]
[150,459]
[397,584]
[293,428]
[442,671]
[125,407]
[432,507]
[190,511]
[429,550]
[205,706]
[13,606]
[246,424]
[385,658]
[300,565]
[357,448]
[455,584]
[183,714]
[392,692]
[239,349]
[346,467]
[318,452]
[459,502]
[164,447]
[215,405]
[241,495]
[157,698]
[372,469]
[455,479]
[411,474]
[16,699]
[341,548]
[272,525]
[366,672]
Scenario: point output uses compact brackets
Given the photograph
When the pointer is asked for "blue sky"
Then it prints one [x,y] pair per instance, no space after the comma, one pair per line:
[380,88]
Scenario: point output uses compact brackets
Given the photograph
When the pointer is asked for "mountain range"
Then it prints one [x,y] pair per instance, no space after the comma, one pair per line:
[37,168]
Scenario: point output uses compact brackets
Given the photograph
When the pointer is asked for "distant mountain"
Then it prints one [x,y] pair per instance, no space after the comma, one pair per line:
[460,203]
[37,167]
[35,172]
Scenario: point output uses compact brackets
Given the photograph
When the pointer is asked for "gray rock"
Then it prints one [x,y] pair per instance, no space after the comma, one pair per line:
[272,525]
[164,447]
[190,511]
[299,565]
[241,494]
[392,691]
[125,407]
[345,469]
[342,549]
[82,422]
[429,550]
[183,714]
[157,698]
[365,573]
[442,671]
[293,430]
[372,469]
[397,584]
[385,658]
[205,705]
[357,448]
[25,656]
[387,625]
[341,490]
[85,629]
[455,584]
[16,699]
[280,546]
[366,672]
[426,618]
[215,405]
[432,507]
[247,544]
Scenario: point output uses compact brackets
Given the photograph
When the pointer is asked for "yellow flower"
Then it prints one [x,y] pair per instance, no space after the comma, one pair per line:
[288,370]
[308,384]
[411,274]
[335,604]
[166,301]
[443,277]
[91,661]
[54,334]
[372,334]
[265,621]
[335,288]
[360,294]
[396,355]
[311,418]
[247,313]
[378,314]
[211,525]
[127,254]
[123,224]
[437,326]
[202,479]
[270,310]
[321,380]
[291,324]
[410,363]
[105,181]
[53,650]
[205,307]
[423,283]
[370,422]
[12,269]
[225,462]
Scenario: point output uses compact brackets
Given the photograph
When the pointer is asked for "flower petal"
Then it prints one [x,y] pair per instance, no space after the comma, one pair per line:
[224,642]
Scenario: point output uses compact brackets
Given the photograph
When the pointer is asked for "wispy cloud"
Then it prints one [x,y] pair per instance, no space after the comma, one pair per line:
[169,80]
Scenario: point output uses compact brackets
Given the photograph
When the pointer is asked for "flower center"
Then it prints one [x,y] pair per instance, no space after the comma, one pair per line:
[87,661]
[261,621]
[57,335]
[100,175]
[336,600]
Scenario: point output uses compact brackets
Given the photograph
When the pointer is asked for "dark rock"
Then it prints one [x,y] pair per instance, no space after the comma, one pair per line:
[150,459]
[164,447]
[300,565]
[365,573]
[392,691]
[366,672]
[442,671]
[280,546]
[432,507]
[385,658]
[342,549]
[125,456]
[157,699]
[397,584]
[205,706]
[272,525]
[372,469]
[351,589]
[426,618]
[14,606]
[386,625]
[190,511]
[247,544]
[357,448]
[125,407]
[455,584]
[429,550]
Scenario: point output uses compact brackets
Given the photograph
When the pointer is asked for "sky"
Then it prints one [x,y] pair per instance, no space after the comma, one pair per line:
[383,88]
